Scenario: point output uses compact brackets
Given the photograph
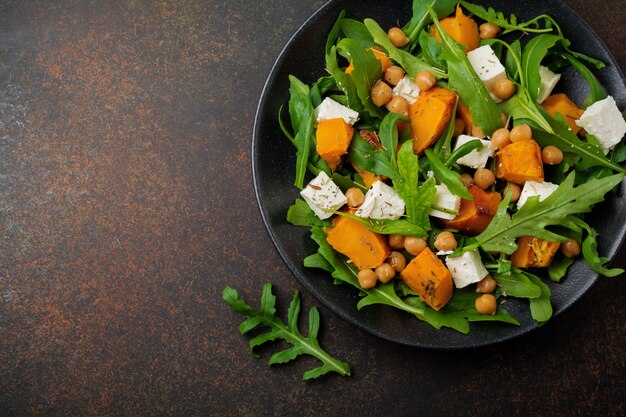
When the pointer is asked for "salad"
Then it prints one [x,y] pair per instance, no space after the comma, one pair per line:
[441,171]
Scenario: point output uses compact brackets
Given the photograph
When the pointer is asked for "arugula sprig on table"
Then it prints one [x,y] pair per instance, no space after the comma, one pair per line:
[289,332]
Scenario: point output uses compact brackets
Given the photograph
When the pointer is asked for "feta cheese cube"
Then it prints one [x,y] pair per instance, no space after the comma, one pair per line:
[381,202]
[604,121]
[322,194]
[532,188]
[478,157]
[446,200]
[407,89]
[488,67]
[548,82]
[466,269]
[330,109]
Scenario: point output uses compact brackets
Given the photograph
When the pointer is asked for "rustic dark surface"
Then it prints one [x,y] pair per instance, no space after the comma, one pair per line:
[127,206]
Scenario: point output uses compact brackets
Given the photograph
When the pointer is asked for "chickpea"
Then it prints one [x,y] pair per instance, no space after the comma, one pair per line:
[551,155]
[355,197]
[500,138]
[385,272]
[394,74]
[489,31]
[515,191]
[415,245]
[398,105]
[425,80]
[486,285]
[445,241]
[520,133]
[504,89]
[397,37]
[459,127]
[467,180]
[397,261]
[396,241]
[486,304]
[367,278]
[381,93]
[570,248]
[484,178]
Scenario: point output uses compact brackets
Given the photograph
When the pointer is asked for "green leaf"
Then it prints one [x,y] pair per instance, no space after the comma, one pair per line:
[356,30]
[389,135]
[590,251]
[516,284]
[566,140]
[417,199]
[366,72]
[463,150]
[463,304]
[463,79]
[520,106]
[421,17]
[533,218]
[303,122]
[316,260]
[344,81]
[513,57]
[596,90]
[540,307]
[499,19]
[451,179]
[367,158]
[443,146]
[267,317]
[533,53]
[558,267]
[411,64]
[300,214]
[387,226]
[431,50]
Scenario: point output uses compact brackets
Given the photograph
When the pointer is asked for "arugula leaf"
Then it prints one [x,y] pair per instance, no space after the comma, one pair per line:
[300,214]
[532,55]
[366,71]
[356,30]
[521,106]
[558,267]
[451,179]
[389,135]
[430,50]
[417,199]
[590,251]
[443,146]
[386,226]
[289,332]
[303,122]
[411,64]
[316,260]
[540,307]
[463,79]
[512,60]
[516,284]
[596,90]
[463,150]
[463,304]
[498,19]
[563,138]
[367,158]
[421,17]
[533,218]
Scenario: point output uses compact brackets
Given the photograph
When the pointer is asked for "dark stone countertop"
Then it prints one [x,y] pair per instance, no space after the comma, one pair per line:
[127,206]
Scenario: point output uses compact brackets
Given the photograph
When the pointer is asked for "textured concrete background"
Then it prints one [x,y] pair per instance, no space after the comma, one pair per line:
[126,206]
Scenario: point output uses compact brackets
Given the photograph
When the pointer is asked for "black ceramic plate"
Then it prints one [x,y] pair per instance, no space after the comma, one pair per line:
[274,161]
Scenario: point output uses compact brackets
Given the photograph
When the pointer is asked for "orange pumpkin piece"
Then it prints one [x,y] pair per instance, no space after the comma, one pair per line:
[560,103]
[385,62]
[475,215]
[430,115]
[429,278]
[365,248]
[462,29]
[333,139]
[519,162]
[369,178]
[533,252]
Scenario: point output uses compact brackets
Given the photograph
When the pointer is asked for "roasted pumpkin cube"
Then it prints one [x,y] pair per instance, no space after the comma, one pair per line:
[462,29]
[475,215]
[533,252]
[560,103]
[333,138]
[429,278]
[520,162]
[430,115]
[365,248]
